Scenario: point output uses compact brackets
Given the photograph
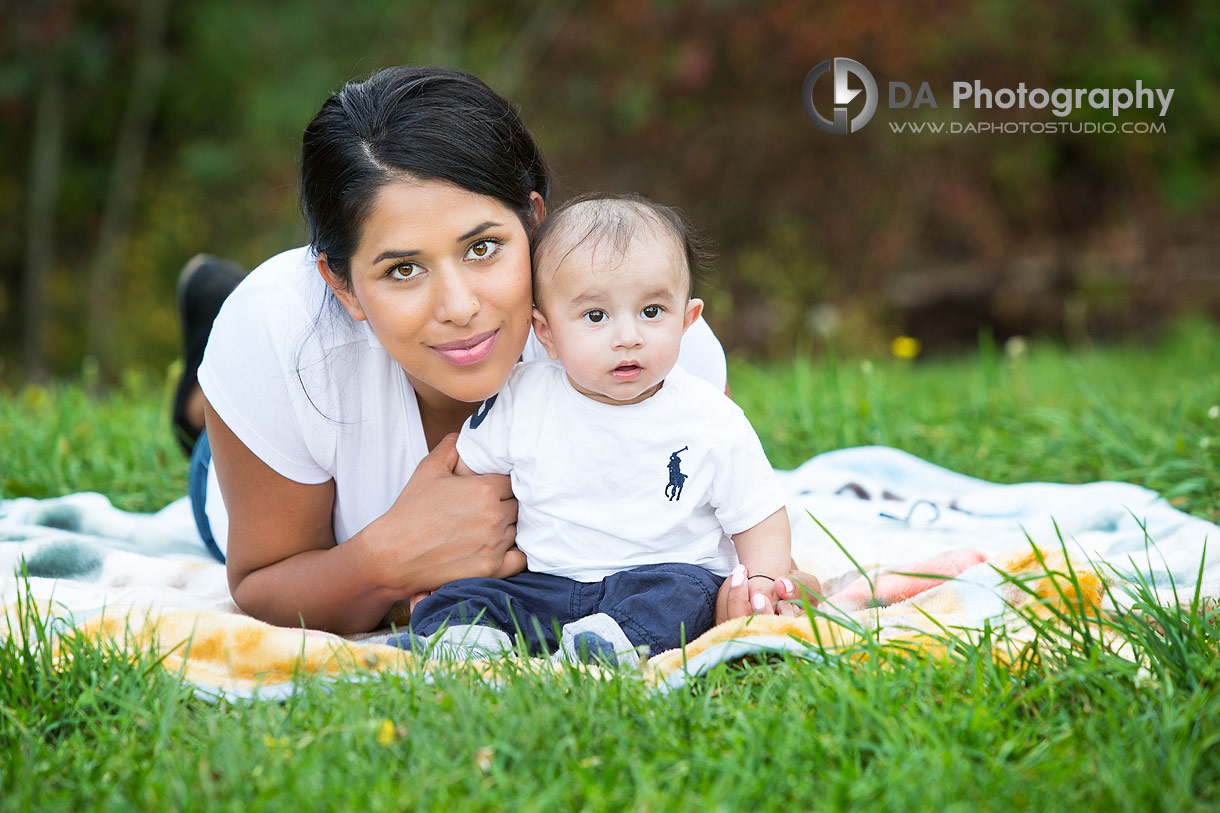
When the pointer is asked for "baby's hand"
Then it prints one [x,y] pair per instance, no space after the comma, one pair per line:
[763,598]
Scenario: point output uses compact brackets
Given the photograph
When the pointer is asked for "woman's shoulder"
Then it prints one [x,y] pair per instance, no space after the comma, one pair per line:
[285,301]
[287,281]
[280,329]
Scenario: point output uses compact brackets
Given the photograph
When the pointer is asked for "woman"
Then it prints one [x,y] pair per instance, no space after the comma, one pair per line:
[336,375]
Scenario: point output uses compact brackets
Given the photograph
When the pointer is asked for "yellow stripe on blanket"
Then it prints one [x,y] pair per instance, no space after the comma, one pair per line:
[235,656]
[238,653]
[1005,592]
[231,655]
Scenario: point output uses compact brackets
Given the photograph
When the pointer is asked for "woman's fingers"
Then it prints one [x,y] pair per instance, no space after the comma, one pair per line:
[790,608]
[444,457]
[799,586]
[514,563]
[761,605]
[503,486]
[452,526]
[733,600]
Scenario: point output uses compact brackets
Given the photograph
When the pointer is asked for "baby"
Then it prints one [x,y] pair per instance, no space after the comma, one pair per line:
[639,486]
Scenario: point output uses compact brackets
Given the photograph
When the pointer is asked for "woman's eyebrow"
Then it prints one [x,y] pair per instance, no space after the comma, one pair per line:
[479,228]
[394,254]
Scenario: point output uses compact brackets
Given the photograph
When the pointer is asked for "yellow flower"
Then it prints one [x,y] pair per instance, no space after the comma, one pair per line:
[389,733]
[482,758]
[905,347]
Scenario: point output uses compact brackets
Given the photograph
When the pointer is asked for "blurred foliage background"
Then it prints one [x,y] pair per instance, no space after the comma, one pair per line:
[138,132]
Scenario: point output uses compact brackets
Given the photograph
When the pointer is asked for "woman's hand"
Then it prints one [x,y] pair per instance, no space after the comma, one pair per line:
[736,599]
[444,527]
[285,568]
[796,590]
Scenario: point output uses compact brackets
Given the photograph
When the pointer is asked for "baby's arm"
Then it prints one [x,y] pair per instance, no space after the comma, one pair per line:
[765,550]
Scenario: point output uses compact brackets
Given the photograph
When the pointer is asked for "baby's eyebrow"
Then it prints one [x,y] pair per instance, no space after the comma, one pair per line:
[596,296]
[657,293]
[588,296]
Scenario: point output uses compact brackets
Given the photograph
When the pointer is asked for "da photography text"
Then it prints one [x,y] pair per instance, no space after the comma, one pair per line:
[850,78]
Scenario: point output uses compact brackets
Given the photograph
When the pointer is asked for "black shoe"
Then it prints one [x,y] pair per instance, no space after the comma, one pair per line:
[203,284]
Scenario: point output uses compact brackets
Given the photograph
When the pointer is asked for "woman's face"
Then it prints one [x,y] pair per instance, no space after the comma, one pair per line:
[443,277]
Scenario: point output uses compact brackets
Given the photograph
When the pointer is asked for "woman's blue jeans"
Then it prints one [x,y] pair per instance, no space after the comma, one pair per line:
[197,488]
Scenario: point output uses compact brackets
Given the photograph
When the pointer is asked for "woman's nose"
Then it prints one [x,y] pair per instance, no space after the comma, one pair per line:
[458,302]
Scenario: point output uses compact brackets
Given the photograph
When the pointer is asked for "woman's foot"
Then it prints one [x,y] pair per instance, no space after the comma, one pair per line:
[203,284]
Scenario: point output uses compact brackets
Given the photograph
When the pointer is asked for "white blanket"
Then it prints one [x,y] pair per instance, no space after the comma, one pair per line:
[887,507]
[884,506]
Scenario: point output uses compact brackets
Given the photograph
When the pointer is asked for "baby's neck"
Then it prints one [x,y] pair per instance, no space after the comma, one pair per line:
[605,399]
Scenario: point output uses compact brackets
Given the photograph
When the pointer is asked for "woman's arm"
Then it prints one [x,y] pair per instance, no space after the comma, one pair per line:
[285,568]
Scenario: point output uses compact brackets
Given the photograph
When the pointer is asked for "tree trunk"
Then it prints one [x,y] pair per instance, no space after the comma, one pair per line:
[130,151]
[46,154]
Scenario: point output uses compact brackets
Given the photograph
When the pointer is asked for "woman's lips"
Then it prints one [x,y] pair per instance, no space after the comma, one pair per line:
[468,351]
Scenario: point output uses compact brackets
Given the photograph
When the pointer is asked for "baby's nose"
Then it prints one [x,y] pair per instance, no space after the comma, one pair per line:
[627,336]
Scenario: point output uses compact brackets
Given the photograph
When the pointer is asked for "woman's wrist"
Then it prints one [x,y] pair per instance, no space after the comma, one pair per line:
[378,557]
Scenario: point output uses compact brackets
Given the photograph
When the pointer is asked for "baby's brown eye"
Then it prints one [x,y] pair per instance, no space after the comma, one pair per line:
[652,312]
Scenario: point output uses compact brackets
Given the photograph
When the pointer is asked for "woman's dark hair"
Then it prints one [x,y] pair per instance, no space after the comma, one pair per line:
[429,123]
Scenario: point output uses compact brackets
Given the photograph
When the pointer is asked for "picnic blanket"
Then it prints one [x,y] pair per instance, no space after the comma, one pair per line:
[146,581]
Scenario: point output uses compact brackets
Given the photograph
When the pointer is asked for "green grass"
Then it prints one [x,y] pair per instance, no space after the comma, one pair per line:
[59,439]
[1077,727]
[1131,413]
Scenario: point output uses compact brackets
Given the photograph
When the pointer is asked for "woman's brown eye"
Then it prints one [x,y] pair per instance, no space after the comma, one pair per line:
[479,249]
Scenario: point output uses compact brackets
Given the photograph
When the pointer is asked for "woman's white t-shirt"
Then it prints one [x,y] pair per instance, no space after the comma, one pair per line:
[314,395]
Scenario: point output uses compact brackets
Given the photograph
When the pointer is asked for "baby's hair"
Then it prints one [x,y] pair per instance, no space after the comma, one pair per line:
[612,220]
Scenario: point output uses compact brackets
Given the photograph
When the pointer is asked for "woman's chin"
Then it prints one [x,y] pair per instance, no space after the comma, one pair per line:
[466,390]
[474,389]
[474,396]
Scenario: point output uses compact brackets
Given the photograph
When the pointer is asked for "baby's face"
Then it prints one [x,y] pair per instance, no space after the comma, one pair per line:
[616,326]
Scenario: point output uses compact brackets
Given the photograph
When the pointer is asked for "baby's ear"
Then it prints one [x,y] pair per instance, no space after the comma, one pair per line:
[543,331]
[693,309]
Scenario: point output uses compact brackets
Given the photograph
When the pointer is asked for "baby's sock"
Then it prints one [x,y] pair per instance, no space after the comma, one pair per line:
[598,639]
[459,642]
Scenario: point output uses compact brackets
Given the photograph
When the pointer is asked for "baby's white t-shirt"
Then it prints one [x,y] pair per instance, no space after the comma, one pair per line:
[314,395]
[603,488]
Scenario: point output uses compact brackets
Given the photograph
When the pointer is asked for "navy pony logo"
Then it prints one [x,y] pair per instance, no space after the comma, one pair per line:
[481,412]
[676,477]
